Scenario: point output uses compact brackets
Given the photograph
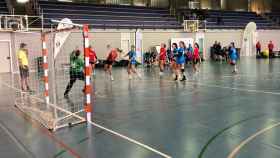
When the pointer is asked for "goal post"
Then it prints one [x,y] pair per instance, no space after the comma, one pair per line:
[84,103]
[50,107]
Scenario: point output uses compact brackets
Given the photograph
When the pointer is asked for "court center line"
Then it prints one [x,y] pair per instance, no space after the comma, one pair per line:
[249,139]
[147,147]
[222,131]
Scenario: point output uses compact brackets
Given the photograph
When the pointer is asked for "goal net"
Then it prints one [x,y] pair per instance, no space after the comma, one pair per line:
[61,83]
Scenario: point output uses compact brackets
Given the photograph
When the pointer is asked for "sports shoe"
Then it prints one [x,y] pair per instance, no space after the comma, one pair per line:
[66,95]
[184,78]
[176,78]
[139,76]
[112,78]
[129,77]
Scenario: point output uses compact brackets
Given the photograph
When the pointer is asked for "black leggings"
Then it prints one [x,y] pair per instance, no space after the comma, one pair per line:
[73,78]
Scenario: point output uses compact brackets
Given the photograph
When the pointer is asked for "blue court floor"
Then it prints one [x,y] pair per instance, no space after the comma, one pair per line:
[215,114]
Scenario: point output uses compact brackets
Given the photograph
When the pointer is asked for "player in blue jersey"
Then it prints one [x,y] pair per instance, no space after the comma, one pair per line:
[233,57]
[132,63]
[180,61]
[172,58]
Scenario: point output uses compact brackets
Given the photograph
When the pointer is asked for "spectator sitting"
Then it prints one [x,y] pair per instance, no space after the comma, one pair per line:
[219,48]
[213,51]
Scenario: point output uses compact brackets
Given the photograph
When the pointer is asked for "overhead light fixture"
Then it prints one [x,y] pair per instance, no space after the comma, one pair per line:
[22,1]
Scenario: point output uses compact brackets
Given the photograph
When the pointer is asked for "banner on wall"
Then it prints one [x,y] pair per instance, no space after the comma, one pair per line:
[61,37]
[138,45]
[200,36]
[249,40]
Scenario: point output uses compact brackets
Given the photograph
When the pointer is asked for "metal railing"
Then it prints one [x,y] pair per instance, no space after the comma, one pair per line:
[19,22]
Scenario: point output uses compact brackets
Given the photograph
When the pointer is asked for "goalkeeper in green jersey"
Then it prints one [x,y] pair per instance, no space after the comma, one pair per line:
[76,69]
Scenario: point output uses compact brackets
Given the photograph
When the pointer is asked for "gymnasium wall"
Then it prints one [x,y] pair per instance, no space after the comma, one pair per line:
[264,36]
[155,38]
[101,38]
[225,37]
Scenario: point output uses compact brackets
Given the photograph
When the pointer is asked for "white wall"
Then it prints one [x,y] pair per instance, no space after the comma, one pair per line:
[225,37]
[156,38]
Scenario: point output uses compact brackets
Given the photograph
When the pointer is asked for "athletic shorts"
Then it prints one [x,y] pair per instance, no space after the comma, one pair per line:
[232,62]
[92,62]
[77,76]
[24,72]
[109,62]
[180,61]
[195,61]
[162,60]
[133,62]
[172,60]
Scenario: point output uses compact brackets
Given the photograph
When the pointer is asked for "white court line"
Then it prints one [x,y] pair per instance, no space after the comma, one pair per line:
[249,139]
[273,146]
[99,126]
[238,89]
[225,87]
[240,84]
[243,84]
[257,77]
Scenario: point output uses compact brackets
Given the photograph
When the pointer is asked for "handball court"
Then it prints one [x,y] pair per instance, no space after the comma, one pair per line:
[215,114]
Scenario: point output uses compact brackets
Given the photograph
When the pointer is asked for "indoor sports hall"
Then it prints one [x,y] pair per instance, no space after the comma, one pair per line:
[139,79]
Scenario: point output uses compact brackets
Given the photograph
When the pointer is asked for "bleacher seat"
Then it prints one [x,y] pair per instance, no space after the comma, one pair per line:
[109,16]
[3,7]
[274,16]
[236,20]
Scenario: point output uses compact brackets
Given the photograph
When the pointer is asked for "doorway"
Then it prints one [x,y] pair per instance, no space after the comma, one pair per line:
[5,56]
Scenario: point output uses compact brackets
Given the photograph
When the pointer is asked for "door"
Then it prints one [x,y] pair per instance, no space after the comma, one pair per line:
[125,42]
[5,63]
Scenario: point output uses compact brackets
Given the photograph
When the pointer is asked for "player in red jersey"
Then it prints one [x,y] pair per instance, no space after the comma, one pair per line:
[162,58]
[111,58]
[92,59]
[196,57]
